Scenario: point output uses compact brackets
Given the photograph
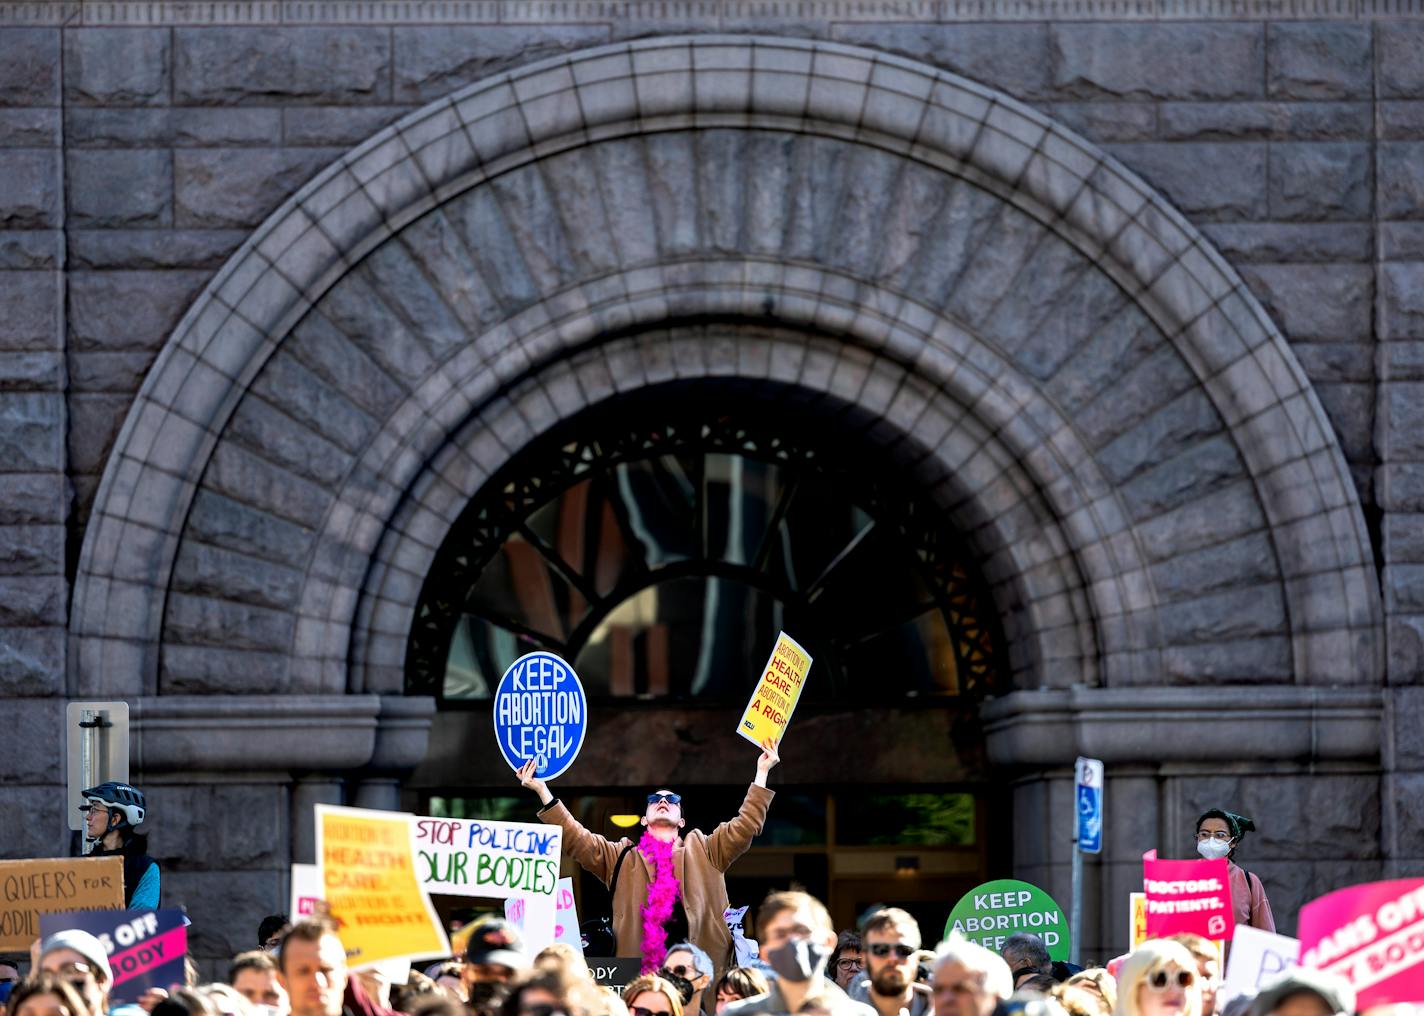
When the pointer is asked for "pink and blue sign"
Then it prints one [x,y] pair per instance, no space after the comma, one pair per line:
[145,947]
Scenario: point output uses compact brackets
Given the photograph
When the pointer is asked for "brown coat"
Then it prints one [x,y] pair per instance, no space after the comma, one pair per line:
[699,859]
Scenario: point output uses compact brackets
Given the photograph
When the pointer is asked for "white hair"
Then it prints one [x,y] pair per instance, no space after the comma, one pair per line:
[700,959]
[998,979]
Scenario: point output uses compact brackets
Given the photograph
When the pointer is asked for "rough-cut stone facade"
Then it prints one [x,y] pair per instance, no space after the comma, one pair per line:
[1179,421]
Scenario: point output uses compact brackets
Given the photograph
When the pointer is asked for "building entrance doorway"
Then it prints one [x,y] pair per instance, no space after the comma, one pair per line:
[659,543]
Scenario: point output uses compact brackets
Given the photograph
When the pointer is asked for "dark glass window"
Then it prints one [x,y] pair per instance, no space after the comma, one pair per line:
[931,820]
[662,547]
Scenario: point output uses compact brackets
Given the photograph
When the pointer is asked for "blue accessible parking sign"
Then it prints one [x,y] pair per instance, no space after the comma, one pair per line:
[540,713]
[1089,805]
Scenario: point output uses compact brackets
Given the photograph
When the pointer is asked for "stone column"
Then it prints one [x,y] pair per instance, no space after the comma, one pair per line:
[381,793]
[1399,437]
[308,792]
[1305,762]
[35,499]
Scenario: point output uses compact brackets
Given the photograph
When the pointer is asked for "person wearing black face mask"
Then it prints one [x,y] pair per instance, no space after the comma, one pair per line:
[797,938]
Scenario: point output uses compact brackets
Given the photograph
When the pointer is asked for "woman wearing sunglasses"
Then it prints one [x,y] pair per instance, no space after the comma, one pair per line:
[1159,979]
[669,886]
[1219,833]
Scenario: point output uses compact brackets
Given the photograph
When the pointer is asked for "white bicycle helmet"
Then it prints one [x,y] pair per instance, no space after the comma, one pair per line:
[118,797]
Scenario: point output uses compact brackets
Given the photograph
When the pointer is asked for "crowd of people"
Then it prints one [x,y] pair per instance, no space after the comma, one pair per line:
[877,969]
[668,904]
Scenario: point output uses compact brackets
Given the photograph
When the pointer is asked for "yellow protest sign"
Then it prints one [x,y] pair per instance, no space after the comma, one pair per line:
[58,885]
[777,693]
[1136,920]
[368,878]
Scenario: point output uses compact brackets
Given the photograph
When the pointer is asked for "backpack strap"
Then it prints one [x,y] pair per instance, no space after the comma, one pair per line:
[613,885]
[1252,882]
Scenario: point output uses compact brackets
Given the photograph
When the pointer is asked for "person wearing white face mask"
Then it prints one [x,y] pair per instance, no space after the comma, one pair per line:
[1218,835]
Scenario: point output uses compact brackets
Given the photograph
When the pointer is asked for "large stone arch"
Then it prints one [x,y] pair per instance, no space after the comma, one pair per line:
[1154,489]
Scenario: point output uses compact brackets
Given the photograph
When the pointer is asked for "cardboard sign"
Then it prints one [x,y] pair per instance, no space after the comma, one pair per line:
[54,886]
[1373,936]
[1256,957]
[306,891]
[1187,896]
[145,947]
[1136,920]
[505,860]
[368,879]
[772,703]
[995,910]
[566,923]
[540,713]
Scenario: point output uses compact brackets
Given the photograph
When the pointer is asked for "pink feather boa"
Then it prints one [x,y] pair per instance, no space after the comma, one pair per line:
[663,892]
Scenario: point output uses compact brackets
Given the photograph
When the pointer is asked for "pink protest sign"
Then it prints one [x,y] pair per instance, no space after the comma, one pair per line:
[1187,896]
[1373,936]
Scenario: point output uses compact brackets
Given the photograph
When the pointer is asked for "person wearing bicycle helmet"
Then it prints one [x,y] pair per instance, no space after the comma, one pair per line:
[113,810]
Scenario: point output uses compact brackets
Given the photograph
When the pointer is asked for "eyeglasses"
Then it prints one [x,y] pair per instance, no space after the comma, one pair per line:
[849,964]
[76,973]
[882,949]
[1159,980]
[667,798]
[1220,835]
[638,1010]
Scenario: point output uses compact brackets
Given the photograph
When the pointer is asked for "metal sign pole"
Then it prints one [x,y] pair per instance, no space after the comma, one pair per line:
[1075,919]
[1087,835]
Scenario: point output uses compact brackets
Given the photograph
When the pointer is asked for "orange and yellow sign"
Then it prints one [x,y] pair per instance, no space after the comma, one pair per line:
[778,691]
[369,881]
[1137,920]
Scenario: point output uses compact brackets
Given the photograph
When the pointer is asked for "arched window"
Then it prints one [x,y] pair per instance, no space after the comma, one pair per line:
[660,544]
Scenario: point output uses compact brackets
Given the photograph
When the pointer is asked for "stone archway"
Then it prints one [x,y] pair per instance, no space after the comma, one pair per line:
[1152,489]
[1154,485]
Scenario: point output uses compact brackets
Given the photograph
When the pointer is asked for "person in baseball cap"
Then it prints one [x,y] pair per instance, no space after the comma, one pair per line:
[495,953]
[82,960]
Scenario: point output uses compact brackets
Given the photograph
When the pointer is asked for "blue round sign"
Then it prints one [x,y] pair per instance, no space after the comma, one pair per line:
[540,713]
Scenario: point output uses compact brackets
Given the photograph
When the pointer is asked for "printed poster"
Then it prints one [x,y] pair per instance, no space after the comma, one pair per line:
[769,711]
[369,881]
[145,947]
[1187,896]
[1373,936]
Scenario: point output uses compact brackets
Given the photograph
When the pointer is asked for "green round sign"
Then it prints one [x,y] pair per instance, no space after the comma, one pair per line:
[992,912]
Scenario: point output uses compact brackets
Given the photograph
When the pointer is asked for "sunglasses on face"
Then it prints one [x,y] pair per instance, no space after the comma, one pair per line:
[1159,980]
[638,1010]
[665,798]
[683,970]
[882,949]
